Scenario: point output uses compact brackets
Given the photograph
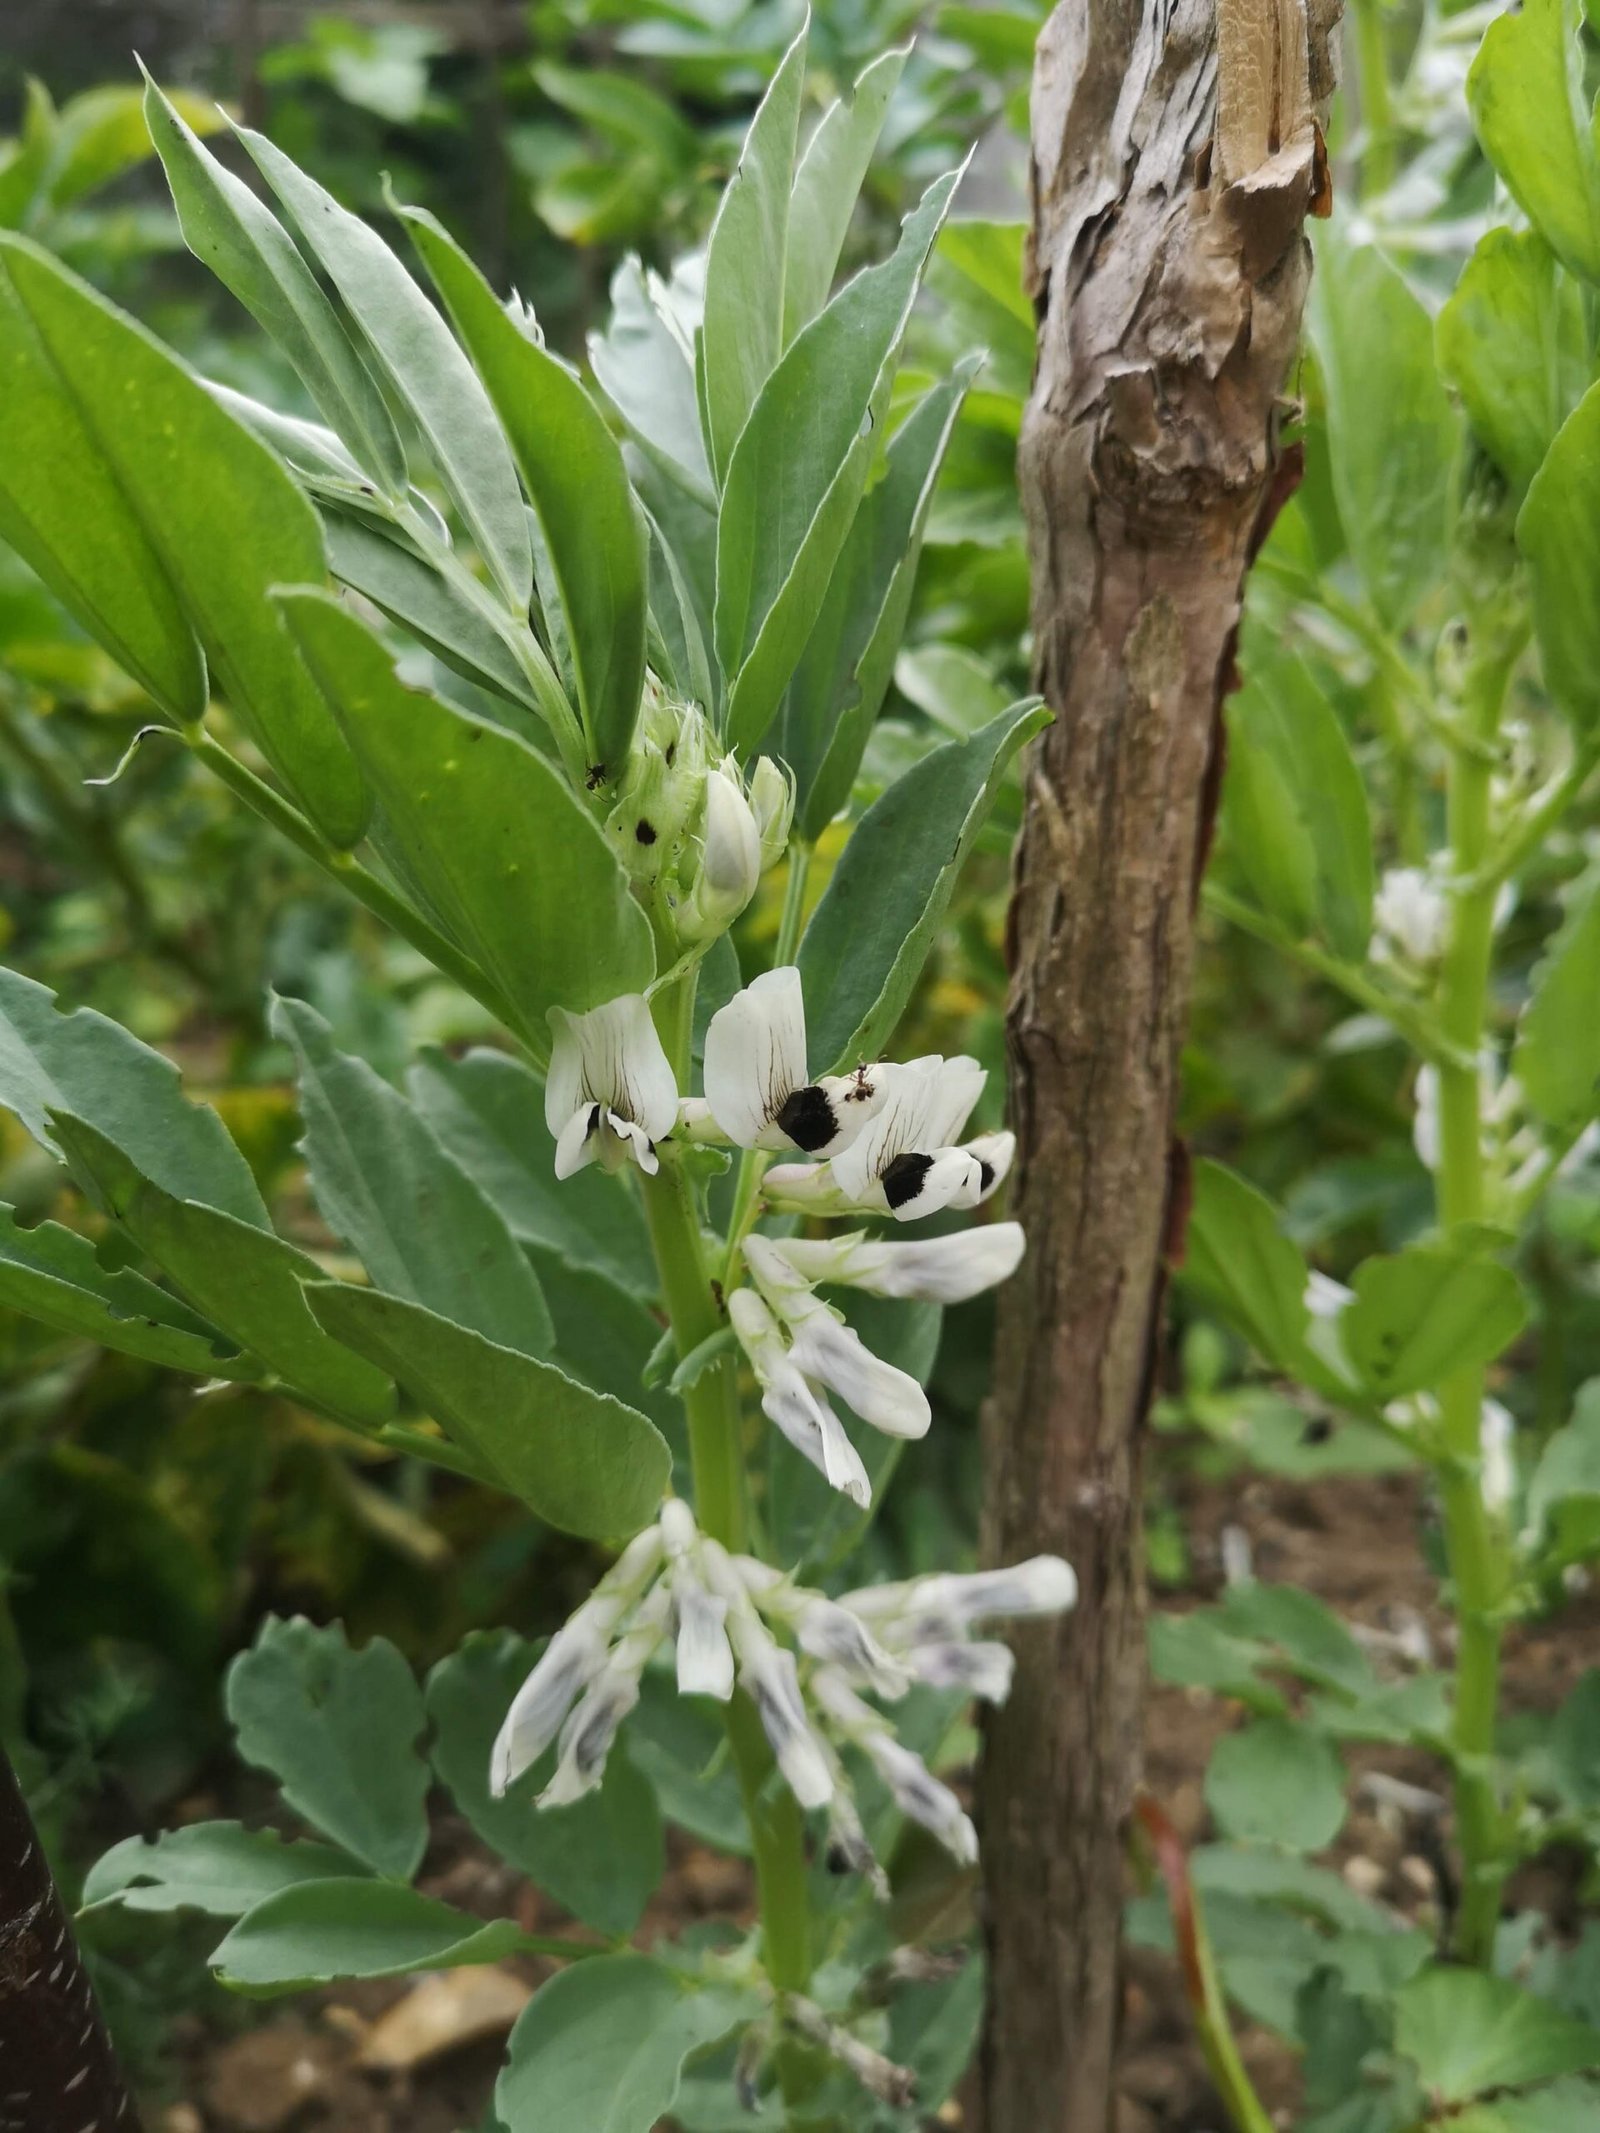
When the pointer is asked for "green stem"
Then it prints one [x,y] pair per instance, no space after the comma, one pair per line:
[1534,824]
[1472,1543]
[360,881]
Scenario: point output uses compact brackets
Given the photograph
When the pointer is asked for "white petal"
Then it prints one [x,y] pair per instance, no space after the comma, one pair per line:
[630,1140]
[816,1433]
[756,1055]
[946,1270]
[927,1184]
[839,1638]
[769,1678]
[919,1794]
[890,1399]
[899,1126]
[957,1085]
[578,1140]
[854,1099]
[996,1153]
[705,1658]
[809,1188]
[981,1670]
[587,1736]
[644,1087]
[563,1081]
[567,1665]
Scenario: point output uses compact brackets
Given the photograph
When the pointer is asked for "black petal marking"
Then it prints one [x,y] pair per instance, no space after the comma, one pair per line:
[903,1178]
[644,832]
[593,1126]
[806,1115]
[985,1175]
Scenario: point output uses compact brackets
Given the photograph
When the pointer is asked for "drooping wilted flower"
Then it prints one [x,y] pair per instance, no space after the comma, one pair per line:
[757,1087]
[610,1094]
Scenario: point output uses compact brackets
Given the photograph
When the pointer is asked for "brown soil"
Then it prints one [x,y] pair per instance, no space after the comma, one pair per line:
[344,2061]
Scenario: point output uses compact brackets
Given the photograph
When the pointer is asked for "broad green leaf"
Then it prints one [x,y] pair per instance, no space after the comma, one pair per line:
[1240,1259]
[1557,1057]
[602,2047]
[1526,95]
[488,1110]
[845,669]
[678,644]
[1295,798]
[423,363]
[224,516]
[1391,428]
[573,469]
[1565,2106]
[1309,1635]
[1574,1743]
[870,935]
[251,254]
[22,168]
[742,336]
[646,371]
[338,1728]
[826,186]
[1275,1781]
[219,1868]
[1558,531]
[243,1278]
[54,1275]
[1469,2033]
[796,476]
[411,592]
[418,1223]
[322,1930]
[1288,1879]
[1427,1311]
[605,1336]
[63,512]
[583,1461]
[81,1062]
[1511,341]
[1563,1507]
[953,686]
[509,860]
[601,1858]
[1194,1651]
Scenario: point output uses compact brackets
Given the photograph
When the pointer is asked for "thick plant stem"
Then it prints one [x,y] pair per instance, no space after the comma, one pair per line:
[1473,1545]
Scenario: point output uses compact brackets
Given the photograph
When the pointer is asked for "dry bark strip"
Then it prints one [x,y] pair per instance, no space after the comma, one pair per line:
[58,2073]
[1175,158]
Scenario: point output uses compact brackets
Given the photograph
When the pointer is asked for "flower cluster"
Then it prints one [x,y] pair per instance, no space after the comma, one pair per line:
[808,1664]
[886,1140]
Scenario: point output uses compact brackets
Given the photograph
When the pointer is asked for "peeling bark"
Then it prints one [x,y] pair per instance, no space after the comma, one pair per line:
[1168,265]
[58,2073]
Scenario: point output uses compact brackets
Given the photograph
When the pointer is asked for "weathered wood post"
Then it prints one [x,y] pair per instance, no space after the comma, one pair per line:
[1175,156]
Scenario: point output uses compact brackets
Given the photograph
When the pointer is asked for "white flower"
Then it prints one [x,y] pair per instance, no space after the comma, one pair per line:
[757,1087]
[586,1737]
[610,1092]
[1411,916]
[804,1417]
[944,1270]
[905,1161]
[949,1604]
[832,1353]
[916,1791]
[772,804]
[705,1657]
[769,1677]
[730,857]
[1497,1467]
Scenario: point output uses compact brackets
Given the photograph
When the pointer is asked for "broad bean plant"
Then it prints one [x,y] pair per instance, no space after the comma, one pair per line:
[1408,818]
[548,682]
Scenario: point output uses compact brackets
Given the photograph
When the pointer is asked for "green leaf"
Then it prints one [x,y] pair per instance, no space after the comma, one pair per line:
[190,470]
[488,1110]
[1468,2032]
[54,1275]
[605,1336]
[870,935]
[219,1868]
[602,1857]
[1557,1056]
[681,1744]
[102,134]
[1239,1258]
[507,859]
[1511,342]
[844,671]
[338,1728]
[1275,1781]
[1308,1634]
[1288,1879]
[797,474]
[1391,428]
[321,1930]
[422,1228]
[742,336]
[1294,796]
[423,363]
[244,1278]
[251,254]
[1558,531]
[63,511]
[1563,1506]
[53,1060]
[573,469]
[582,1460]
[1422,1313]
[647,373]
[1525,93]
[826,187]
[411,592]
[1194,1651]
[1567,2106]
[602,2047]
[979,277]
[1575,1744]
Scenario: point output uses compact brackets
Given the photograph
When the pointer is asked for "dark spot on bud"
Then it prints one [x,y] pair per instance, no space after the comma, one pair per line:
[644,832]
[671,755]
[903,1178]
[985,1175]
[806,1115]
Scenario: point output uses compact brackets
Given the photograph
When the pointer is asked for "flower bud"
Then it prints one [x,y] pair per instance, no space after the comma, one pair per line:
[730,858]
[661,788]
[772,804]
